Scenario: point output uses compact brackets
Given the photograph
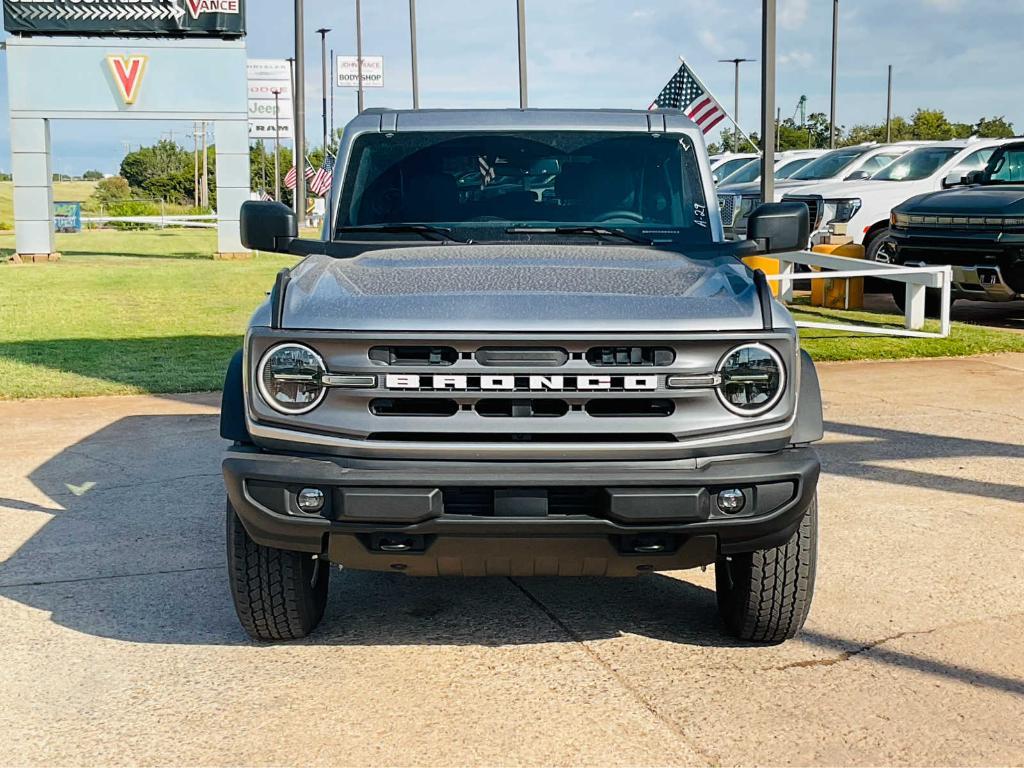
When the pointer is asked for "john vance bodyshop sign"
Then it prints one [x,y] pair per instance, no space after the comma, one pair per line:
[218,18]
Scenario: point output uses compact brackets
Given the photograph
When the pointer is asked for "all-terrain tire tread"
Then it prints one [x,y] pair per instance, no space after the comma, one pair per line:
[765,596]
[272,593]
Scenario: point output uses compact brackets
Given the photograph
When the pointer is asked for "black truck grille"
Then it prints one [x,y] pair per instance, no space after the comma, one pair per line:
[814,208]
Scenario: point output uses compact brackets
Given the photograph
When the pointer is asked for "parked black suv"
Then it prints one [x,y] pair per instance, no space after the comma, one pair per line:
[977,229]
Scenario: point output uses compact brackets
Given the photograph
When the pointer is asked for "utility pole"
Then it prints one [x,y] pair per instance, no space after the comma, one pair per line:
[204,197]
[323,67]
[359,58]
[778,129]
[277,143]
[195,164]
[835,65]
[300,115]
[736,100]
[767,100]
[521,14]
[888,111]
[334,83]
[412,51]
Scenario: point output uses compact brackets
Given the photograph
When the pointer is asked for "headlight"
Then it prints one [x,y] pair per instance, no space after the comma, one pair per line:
[289,378]
[901,220]
[753,379]
[841,210]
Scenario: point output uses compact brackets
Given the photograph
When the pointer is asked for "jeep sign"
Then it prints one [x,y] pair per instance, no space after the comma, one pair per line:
[217,18]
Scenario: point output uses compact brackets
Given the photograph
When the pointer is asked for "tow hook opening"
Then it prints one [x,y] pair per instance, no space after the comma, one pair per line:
[648,544]
[396,543]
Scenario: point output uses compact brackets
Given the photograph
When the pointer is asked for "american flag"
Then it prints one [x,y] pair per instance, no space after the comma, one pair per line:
[684,91]
[265,196]
[291,177]
[321,181]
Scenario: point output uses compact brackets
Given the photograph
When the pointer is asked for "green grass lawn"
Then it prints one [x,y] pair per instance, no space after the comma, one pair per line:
[161,319]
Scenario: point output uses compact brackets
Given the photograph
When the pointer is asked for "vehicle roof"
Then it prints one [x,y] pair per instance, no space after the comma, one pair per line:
[655,120]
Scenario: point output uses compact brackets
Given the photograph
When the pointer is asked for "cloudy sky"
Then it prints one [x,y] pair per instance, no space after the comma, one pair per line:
[949,54]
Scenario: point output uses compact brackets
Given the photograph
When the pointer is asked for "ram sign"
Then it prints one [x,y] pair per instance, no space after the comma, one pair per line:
[218,18]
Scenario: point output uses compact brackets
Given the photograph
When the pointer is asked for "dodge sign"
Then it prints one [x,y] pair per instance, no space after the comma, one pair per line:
[221,18]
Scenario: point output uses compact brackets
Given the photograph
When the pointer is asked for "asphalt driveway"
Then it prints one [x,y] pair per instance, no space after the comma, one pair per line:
[119,644]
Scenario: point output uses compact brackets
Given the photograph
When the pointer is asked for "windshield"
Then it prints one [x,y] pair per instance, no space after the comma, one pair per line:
[749,172]
[730,166]
[1006,167]
[828,165]
[786,170]
[479,184]
[917,164]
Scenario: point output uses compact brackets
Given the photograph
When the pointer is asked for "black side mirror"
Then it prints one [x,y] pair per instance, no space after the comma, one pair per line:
[268,226]
[975,177]
[857,176]
[779,227]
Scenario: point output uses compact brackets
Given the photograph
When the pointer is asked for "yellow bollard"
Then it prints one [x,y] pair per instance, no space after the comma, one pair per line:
[841,293]
[766,264]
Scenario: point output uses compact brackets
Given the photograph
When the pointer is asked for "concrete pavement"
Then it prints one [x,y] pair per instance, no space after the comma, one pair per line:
[119,644]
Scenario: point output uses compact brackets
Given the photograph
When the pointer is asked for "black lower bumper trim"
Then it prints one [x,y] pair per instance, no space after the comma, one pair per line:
[527,503]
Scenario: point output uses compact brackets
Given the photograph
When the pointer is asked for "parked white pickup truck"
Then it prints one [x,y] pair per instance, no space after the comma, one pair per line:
[865,205]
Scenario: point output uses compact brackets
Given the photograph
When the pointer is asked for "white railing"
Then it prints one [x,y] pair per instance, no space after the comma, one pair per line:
[205,220]
[917,280]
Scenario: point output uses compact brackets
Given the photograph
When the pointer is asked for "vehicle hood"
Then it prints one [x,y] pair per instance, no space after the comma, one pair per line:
[746,188]
[1005,200]
[536,288]
[834,190]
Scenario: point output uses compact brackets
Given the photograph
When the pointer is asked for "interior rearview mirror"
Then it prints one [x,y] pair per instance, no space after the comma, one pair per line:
[779,227]
[268,226]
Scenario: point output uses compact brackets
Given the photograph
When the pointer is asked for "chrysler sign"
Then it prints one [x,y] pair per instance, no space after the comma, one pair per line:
[222,18]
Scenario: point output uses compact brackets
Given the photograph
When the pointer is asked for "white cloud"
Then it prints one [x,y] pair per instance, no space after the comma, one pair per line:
[793,13]
[801,59]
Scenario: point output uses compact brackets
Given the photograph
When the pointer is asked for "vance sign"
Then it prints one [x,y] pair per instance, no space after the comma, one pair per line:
[215,18]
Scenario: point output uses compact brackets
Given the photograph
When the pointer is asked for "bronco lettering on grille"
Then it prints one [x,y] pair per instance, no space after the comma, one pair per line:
[531,383]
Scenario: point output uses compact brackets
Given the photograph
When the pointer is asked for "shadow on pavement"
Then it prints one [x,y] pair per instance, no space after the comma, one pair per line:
[139,557]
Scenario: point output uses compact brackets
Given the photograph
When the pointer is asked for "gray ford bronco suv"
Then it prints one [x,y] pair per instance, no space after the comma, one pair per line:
[522,347]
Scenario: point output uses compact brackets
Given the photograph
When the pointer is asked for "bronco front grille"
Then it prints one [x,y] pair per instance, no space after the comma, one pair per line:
[445,389]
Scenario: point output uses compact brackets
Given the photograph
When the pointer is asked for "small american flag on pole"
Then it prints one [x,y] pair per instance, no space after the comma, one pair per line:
[321,181]
[684,91]
[291,177]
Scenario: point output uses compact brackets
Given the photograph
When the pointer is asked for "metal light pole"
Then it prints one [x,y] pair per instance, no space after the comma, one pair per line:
[888,111]
[334,83]
[835,65]
[412,50]
[277,142]
[359,58]
[736,101]
[300,115]
[323,67]
[767,100]
[521,14]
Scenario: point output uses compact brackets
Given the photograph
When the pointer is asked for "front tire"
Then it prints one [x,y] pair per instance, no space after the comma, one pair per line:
[278,594]
[765,596]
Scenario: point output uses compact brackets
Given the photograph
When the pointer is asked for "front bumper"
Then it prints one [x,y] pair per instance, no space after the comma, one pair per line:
[507,518]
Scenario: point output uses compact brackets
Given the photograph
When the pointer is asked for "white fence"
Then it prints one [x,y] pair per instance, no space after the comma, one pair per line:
[206,221]
[916,279]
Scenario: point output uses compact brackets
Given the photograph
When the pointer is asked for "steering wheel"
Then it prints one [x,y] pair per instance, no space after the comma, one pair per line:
[630,215]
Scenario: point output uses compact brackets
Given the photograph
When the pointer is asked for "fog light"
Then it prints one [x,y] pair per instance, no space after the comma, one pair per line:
[310,500]
[731,500]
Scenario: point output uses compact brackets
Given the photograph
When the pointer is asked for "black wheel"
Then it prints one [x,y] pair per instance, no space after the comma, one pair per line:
[764,596]
[880,248]
[278,594]
[932,299]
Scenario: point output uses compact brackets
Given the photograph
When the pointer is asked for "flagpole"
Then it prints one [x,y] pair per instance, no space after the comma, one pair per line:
[724,110]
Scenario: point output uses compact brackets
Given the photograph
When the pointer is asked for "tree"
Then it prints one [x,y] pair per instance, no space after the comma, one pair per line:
[995,128]
[92,175]
[112,190]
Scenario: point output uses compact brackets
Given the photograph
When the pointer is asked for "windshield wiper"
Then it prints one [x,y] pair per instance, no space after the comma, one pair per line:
[602,232]
[424,230]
